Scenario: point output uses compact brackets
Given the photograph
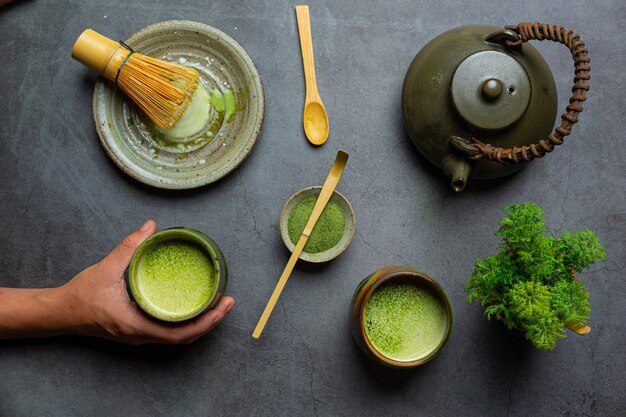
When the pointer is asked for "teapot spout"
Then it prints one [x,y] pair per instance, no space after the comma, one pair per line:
[458,169]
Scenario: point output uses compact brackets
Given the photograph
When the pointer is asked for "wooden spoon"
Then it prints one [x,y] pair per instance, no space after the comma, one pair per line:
[327,191]
[314,118]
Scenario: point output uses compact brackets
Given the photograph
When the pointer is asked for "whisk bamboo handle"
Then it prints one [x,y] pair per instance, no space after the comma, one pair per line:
[99,53]
[163,90]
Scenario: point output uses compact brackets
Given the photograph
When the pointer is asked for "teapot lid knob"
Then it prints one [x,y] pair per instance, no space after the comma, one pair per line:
[490,90]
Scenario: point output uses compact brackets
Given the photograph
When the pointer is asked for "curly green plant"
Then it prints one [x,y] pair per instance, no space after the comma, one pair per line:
[529,284]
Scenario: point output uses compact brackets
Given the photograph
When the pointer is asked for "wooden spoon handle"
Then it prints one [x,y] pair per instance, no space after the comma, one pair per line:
[306,45]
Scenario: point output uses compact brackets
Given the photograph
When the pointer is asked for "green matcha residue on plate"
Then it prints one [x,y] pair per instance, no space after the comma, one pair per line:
[327,231]
[223,102]
[176,277]
[404,321]
[217,100]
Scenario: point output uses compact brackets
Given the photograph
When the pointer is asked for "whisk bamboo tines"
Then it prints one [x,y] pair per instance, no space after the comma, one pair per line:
[161,89]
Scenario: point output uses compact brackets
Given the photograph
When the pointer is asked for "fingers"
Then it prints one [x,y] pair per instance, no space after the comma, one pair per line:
[207,321]
[120,257]
[185,332]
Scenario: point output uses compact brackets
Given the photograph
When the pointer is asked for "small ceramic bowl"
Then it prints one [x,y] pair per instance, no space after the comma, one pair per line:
[348,232]
[182,234]
[362,295]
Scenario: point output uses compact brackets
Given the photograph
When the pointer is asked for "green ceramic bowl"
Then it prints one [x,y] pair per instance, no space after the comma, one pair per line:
[362,295]
[131,140]
[348,232]
[173,296]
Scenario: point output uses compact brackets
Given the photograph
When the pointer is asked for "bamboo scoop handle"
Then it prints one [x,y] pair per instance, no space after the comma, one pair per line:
[279,287]
[306,45]
[327,191]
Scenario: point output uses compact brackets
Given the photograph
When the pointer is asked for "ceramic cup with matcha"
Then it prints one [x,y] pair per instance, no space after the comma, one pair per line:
[401,317]
[177,274]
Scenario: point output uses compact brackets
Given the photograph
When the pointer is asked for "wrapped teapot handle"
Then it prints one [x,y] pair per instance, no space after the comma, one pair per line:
[476,149]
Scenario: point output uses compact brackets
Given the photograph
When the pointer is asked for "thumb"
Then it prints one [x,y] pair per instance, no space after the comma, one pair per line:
[119,258]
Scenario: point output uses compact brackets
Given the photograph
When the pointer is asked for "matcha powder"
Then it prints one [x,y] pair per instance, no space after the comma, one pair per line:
[327,231]
[404,321]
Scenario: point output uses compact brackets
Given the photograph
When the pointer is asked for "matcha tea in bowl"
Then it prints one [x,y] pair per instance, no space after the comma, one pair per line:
[177,274]
[332,233]
[400,317]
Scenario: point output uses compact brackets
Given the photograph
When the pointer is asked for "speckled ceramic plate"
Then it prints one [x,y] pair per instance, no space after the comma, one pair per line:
[132,142]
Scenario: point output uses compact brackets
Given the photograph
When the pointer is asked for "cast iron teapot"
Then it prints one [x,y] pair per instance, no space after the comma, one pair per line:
[481,101]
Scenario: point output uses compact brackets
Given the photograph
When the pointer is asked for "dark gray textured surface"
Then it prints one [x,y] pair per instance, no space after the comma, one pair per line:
[64,205]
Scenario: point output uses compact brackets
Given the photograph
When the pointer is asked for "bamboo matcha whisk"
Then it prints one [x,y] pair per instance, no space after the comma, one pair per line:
[161,89]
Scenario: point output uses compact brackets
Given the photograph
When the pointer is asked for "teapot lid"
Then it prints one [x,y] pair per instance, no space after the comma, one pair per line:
[490,90]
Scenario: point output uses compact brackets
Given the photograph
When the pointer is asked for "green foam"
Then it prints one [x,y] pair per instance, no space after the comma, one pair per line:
[404,321]
[176,277]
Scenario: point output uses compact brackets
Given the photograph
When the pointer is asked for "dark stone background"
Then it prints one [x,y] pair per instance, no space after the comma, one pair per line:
[64,205]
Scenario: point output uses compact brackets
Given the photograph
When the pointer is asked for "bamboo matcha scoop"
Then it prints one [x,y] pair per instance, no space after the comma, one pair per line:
[327,191]
[314,118]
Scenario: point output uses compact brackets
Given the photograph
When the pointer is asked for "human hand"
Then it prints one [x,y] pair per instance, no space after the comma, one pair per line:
[98,303]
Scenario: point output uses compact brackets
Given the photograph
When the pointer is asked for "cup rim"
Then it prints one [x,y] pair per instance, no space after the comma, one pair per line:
[331,253]
[411,273]
[174,233]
